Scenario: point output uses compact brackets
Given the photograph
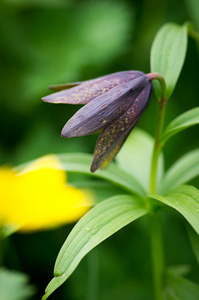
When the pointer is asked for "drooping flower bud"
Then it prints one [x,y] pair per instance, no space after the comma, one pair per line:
[114,104]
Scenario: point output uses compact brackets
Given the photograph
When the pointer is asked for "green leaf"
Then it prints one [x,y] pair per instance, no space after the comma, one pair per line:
[14,285]
[168,54]
[185,199]
[7,230]
[101,190]
[182,171]
[97,225]
[186,120]
[80,163]
[193,9]
[179,288]
[135,160]
[194,239]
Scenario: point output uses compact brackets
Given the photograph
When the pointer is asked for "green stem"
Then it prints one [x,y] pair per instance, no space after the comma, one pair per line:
[192,32]
[155,218]
[157,146]
[156,76]
[157,255]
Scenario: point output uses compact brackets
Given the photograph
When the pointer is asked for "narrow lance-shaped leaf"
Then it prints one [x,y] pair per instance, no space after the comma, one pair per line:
[100,189]
[97,225]
[185,120]
[168,55]
[185,199]
[81,163]
[182,171]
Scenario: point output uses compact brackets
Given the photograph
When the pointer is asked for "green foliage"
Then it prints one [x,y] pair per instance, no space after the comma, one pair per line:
[80,163]
[167,58]
[186,120]
[168,55]
[193,7]
[184,199]
[179,288]
[134,159]
[52,42]
[97,225]
[183,170]
[100,189]
[14,285]
[193,236]
[57,48]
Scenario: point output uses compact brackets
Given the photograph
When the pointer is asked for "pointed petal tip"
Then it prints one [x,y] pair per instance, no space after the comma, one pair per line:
[49,99]
[55,98]
[64,134]
[93,168]
[44,99]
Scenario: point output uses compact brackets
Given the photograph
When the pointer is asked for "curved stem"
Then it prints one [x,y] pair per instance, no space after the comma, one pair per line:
[156,76]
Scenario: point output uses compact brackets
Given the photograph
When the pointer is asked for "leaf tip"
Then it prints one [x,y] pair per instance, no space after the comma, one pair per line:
[45,296]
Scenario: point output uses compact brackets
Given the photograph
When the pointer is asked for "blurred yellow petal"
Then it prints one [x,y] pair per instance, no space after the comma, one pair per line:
[38,197]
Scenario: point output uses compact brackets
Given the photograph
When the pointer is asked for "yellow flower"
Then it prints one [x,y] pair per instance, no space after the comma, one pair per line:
[38,197]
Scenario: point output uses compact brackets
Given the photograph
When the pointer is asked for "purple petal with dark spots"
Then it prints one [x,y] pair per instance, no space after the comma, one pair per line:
[85,91]
[114,135]
[105,108]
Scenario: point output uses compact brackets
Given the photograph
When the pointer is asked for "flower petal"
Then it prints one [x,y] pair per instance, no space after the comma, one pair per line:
[114,135]
[38,197]
[103,160]
[105,108]
[108,145]
[85,91]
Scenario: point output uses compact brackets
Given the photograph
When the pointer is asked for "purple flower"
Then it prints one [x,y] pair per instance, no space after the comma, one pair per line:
[114,103]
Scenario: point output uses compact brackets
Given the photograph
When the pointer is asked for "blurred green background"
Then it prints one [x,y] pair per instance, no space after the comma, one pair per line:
[45,42]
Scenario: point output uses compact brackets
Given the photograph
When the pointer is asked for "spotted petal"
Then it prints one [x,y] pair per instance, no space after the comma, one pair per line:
[105,108]
[85,91]
[102,158]
[114,135]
